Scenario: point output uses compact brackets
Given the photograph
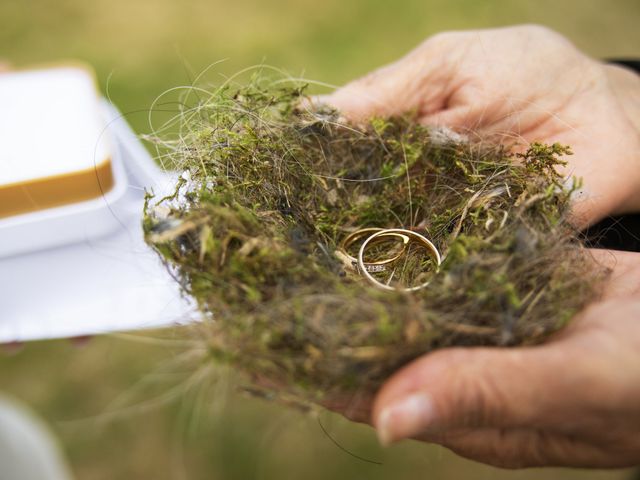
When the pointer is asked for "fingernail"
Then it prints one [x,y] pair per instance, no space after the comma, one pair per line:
[405,418]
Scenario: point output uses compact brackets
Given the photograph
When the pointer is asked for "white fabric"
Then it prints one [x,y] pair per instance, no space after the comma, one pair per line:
[28,451]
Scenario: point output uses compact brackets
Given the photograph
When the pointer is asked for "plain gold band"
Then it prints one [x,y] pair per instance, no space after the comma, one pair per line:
[358,234]
[421,239]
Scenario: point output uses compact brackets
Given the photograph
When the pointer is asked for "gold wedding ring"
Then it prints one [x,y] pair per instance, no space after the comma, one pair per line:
[377,266]
[379,235]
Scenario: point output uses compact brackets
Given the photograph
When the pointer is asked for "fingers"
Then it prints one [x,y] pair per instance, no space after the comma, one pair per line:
[556,387]
[481,388]
[459,117]
[454,388]
[521,448]
[624,280]
[419,82]
[380,93]
[356,407]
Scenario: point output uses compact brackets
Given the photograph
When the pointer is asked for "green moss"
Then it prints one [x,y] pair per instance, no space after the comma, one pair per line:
[275,188]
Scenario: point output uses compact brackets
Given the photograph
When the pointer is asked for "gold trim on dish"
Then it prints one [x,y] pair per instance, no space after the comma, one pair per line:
[56,190]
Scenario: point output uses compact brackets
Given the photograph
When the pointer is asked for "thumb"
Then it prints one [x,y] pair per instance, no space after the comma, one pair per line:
[467,388]
[624,279]
[418,83]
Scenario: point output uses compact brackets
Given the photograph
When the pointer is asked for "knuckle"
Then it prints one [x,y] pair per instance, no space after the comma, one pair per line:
[484,402]
[441,39]
[536,29]
[518,449]
[479,398]
[544,36]
[536,448]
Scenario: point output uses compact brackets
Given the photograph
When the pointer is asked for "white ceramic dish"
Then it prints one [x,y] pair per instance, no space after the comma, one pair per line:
[84,269]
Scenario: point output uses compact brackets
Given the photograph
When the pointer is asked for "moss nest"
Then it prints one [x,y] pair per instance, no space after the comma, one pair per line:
[273,184]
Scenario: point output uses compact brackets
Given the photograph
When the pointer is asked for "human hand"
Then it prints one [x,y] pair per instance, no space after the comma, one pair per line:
[520,84]
[574,401]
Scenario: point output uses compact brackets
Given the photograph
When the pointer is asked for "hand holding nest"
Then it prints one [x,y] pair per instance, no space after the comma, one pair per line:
[519,84]
[574,401]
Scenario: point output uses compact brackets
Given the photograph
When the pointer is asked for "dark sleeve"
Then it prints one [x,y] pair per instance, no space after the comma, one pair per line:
[626,62]
[619,232]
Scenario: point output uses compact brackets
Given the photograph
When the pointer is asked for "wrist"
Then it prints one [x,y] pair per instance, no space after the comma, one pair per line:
[625,84]
[625,87]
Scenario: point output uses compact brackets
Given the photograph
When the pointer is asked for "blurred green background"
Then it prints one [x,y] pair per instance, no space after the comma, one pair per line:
[119,412]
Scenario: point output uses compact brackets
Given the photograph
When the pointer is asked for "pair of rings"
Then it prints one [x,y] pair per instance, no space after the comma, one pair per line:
[376,236]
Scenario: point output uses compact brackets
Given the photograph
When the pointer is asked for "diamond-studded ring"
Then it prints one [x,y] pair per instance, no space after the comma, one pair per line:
[379,265]
[413,237]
